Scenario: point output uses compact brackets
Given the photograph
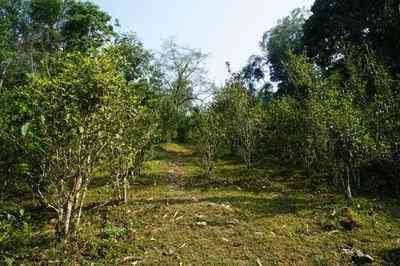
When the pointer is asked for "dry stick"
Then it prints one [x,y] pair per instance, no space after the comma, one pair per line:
[45,202]
[102,205]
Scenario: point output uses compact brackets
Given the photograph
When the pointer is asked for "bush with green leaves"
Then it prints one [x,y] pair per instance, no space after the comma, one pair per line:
[242,118]
[15,233]
[66,115]
[135,111]
[207,134]
[336,133]
[284,129]
[75,112]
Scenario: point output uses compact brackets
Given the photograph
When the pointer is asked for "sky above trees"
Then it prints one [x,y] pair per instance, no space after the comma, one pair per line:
[229,30]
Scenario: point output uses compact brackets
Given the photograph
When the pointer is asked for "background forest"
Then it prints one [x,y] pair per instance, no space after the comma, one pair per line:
[85,111]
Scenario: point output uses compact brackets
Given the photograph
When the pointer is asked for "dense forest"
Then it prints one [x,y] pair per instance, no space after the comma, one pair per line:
[86,111]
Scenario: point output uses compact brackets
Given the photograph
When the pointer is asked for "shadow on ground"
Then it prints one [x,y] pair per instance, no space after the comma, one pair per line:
[391,257]
[261,206]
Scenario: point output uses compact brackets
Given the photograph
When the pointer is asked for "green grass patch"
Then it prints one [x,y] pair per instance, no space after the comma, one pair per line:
[176,216]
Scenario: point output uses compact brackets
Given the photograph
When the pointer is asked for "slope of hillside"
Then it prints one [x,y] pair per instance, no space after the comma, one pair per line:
[266,216]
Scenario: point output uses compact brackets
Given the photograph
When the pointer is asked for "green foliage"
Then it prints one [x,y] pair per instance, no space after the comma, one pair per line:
[186,81]
[75,113]
[33,30]
[277,43]
[136,63]
[46,11]
[86,26]
[207,133]
[284,128]
[67,105]
[241,117]
[113,232]
[337,22]
[331,132]
[253,77]
[134,110]
[15,232]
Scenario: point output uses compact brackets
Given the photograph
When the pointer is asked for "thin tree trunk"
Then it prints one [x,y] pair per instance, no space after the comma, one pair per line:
[126,187]
[209,161]
[72,204]
[248,159]
[32,64]
[4,74]
[358,179]
[82,200]
[209,167]
[335,180]
[59,226]
[118,186]
[348,193]
[68,214]
[78,192]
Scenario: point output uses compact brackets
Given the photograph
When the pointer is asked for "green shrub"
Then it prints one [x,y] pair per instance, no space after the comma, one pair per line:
[113,232]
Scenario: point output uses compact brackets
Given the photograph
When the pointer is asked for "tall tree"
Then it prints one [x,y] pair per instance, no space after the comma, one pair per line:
[85,26]
[186,82]
[276,44]
[34,29]
[185,74]
[374,23]
[253,75]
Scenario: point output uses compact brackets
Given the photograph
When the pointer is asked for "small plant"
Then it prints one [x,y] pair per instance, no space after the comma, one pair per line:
[15,232]
[98,248]
[113,232]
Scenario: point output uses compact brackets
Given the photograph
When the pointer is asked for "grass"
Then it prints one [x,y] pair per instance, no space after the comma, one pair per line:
[264,216]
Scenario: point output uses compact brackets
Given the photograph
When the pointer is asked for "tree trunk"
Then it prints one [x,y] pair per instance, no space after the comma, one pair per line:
[335,179]
[126,188]
[67,218]
[356,177]
[82,199]
[59,226]
[348,193]
[72,204]
[4,74]
[118,187]
[78,192]
[248,159]
[209,161]
[209,169]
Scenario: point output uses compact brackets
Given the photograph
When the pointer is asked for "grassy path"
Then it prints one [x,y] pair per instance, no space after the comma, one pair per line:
[265,216]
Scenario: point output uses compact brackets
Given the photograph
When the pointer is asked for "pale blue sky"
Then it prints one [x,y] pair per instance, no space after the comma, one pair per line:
[229,30]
